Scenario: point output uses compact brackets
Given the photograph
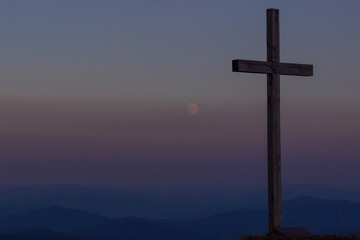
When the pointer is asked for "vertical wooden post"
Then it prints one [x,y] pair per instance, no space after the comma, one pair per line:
[273,68]
[273,122]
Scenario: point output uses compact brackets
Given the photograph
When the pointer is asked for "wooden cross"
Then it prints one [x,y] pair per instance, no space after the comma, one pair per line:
[273,68]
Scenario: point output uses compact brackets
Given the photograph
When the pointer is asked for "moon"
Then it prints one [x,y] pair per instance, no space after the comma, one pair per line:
[192,108]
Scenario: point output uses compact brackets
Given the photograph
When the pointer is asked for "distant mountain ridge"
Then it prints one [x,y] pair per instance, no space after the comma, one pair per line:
[61,223]
[120,203]
[331,216]
[317,215]
[55,218]
[318,191]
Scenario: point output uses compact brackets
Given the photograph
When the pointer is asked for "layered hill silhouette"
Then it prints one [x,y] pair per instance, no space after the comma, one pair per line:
[122,203]
[114,202]
[317,215]
[55,218]
[62,223]
[322,216]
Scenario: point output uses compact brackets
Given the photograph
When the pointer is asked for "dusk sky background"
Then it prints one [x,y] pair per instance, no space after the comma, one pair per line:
[95,93]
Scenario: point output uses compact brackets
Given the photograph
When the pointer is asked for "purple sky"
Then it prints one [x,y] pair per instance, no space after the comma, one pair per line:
[96,93]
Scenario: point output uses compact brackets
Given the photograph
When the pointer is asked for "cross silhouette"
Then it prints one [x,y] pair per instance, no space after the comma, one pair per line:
[273,68]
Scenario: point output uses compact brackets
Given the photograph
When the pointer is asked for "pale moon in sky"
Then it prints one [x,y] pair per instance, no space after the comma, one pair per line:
[192,108]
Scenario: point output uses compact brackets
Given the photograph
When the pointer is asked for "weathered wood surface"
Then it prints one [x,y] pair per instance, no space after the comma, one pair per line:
[273,68]
[273,122]
[249,66]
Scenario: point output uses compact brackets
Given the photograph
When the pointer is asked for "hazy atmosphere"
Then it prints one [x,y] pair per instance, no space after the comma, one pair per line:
[96,93]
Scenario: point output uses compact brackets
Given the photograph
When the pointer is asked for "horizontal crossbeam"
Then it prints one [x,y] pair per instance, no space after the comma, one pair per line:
[250,66]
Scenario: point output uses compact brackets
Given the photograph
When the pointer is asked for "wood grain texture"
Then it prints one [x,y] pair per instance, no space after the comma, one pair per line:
[273,68]
[294,69]
[273,122]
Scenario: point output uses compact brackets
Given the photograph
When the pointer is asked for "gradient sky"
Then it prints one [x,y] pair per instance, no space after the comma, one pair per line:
[95,93]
